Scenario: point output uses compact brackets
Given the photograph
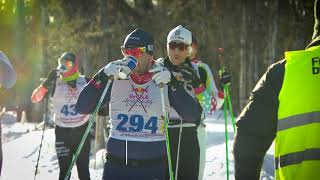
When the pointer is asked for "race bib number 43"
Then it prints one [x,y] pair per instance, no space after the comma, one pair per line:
[69,110]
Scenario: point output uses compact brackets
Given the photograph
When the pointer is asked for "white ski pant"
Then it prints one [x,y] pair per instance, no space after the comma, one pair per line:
[202,138]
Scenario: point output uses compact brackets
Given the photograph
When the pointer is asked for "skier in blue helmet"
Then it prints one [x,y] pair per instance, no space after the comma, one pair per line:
[136,147]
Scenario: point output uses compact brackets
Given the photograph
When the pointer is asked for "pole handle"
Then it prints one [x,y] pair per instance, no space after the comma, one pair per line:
[221,60]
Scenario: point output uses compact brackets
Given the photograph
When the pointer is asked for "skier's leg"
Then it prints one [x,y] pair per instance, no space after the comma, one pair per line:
[173,135]
[202,138]
[83,159]
[62,150]
[144,169]
[147,172]
[189,154]
[113,172]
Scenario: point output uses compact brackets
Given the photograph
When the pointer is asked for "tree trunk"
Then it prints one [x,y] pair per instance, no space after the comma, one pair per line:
[44,36]
[86,66]
[273,32]
[104,48]
[243,67]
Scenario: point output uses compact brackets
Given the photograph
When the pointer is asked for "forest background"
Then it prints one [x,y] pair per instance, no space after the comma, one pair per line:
[254,34]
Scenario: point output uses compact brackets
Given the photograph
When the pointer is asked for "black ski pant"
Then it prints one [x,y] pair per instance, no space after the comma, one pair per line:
[117,168]
[189,152]
[67,142]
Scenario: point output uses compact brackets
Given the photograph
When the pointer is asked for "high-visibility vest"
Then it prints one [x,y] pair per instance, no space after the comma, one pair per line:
[297,144]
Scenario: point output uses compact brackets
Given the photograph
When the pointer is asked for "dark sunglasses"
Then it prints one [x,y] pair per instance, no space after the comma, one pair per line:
[180,46]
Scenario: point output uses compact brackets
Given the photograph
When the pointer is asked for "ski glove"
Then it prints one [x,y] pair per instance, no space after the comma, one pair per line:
[51,78]
[120,68]
[160,73]
[190,75]
[225,78]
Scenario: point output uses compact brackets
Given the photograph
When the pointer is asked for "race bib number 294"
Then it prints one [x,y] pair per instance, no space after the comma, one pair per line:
[136,123]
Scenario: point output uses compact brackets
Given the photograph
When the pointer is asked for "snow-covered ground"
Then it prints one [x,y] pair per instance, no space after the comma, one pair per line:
[215,168]
[21,147]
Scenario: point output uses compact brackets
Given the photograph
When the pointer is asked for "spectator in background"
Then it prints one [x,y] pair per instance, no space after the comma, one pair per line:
[7,79]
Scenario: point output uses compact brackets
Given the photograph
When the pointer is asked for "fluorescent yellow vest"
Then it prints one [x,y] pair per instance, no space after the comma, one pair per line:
[297,144]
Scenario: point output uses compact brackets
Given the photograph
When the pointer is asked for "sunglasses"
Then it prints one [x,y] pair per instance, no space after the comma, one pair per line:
[65,64]
[180,46]
[135,52]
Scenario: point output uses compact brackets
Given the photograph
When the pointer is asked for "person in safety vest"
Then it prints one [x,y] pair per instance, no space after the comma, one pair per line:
[285,107]
[8,78]
[63,85]
[136,147]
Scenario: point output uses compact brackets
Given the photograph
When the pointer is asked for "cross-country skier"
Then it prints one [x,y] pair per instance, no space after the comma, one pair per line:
[64,85]
[136,147]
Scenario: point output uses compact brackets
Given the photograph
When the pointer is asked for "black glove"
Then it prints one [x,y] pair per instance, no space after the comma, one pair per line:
[190,75]
[51,78]
[225,78]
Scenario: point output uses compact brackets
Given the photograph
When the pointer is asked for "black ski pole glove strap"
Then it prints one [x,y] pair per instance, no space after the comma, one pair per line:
[190,75]
[225,78]
[51,78]
[100,79]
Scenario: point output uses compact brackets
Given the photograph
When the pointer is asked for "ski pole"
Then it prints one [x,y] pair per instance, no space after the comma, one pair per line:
[230,107]
[227,102]
[45,119]
[166,121]
[92,118]
[226,89]
[224,112]
[38,159]
[178,153]
[226,136]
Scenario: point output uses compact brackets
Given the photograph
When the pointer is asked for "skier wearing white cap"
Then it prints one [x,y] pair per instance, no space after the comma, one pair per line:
[184,142]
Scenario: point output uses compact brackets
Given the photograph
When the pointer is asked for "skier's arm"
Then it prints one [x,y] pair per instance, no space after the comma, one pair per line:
[40,92]
[186,106]
[257,124]
[91,94]
[208,95]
